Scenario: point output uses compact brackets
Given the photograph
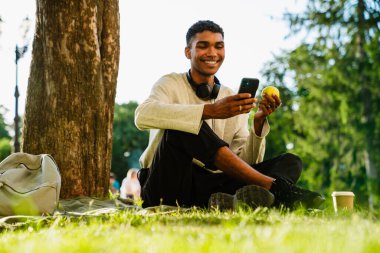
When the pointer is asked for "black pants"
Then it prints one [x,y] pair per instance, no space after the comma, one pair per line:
[174,180]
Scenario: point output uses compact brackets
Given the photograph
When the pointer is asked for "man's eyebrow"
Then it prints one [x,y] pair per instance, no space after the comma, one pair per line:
[203,42]
[207,42]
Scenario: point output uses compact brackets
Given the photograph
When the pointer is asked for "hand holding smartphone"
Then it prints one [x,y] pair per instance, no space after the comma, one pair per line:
[249,85]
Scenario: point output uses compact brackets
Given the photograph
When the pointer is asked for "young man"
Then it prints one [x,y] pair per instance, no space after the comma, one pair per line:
[200,151]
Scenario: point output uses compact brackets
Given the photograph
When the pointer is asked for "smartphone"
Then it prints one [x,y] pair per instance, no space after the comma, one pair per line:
[249,85]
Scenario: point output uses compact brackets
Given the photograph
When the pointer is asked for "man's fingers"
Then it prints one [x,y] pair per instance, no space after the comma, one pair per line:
[278,100]
[246,108]
[265,108]
[271,101]
[241,96]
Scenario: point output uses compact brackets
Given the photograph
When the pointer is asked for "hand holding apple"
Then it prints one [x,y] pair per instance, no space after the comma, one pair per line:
[269,102]
[267,105]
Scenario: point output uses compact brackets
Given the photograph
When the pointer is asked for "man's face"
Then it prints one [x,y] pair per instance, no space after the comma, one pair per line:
[206,53]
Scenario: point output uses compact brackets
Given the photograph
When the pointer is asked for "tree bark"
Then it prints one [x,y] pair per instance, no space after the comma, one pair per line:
[71,91]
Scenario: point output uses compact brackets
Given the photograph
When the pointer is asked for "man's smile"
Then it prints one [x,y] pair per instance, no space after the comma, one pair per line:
[210,62]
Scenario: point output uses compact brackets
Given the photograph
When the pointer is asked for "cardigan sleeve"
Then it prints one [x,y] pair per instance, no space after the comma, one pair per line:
[164,108]
[249,146]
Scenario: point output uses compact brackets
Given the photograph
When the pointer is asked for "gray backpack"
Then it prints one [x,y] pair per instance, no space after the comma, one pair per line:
[29,184]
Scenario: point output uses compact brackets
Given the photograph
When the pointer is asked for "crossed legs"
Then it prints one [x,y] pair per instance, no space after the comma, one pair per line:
[174,179]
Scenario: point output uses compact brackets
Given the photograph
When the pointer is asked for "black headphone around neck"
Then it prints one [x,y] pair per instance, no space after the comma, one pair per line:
[204,90]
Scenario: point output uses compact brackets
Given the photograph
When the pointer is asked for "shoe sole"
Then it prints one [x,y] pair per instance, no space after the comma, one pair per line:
[253,196]
[221,201]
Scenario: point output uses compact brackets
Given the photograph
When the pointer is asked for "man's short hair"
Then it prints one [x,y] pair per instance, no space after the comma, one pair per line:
[201,26]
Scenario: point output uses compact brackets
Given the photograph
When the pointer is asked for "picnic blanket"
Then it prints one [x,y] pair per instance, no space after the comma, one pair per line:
[87,207]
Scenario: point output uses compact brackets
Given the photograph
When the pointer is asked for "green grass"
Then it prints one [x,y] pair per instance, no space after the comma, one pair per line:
[261,230]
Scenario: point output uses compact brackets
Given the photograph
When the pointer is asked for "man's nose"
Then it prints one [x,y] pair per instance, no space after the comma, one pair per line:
[211,51]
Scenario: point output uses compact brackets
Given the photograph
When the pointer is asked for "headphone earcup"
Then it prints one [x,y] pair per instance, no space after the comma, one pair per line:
[203,91]
[215,91]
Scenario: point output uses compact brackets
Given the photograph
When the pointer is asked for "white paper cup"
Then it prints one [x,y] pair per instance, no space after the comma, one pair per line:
[343,201]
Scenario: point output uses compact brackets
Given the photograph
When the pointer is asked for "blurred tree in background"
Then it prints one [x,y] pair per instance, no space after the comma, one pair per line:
[5,138]
[330,116]
[128,142]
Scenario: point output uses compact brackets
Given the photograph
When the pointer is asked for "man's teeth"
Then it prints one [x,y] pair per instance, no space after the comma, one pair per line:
[210,62]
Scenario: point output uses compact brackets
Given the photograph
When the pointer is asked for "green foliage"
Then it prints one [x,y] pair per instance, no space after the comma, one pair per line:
[128,141]
[3,126]
[5,148]
[5,144]
[333,120]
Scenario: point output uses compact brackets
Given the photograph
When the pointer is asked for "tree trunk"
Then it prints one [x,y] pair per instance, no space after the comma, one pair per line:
[369,125]
[71,91]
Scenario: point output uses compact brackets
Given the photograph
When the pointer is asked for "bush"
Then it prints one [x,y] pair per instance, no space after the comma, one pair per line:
[5,148]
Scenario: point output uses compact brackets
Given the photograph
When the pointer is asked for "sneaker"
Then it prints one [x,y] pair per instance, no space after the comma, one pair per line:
[251,196]
[222,201]
[289,195]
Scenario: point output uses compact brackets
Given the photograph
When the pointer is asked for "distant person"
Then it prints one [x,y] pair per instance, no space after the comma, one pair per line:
[130,186]
[201,152]
[114,184]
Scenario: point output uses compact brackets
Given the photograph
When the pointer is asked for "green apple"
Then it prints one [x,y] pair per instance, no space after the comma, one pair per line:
[270,91]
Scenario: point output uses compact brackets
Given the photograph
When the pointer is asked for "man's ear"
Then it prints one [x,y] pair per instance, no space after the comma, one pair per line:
[187,53]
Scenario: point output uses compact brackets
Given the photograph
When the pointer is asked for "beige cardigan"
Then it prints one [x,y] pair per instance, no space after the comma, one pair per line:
[172,104]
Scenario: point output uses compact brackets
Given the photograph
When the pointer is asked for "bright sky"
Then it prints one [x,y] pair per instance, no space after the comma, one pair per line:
[152,34]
